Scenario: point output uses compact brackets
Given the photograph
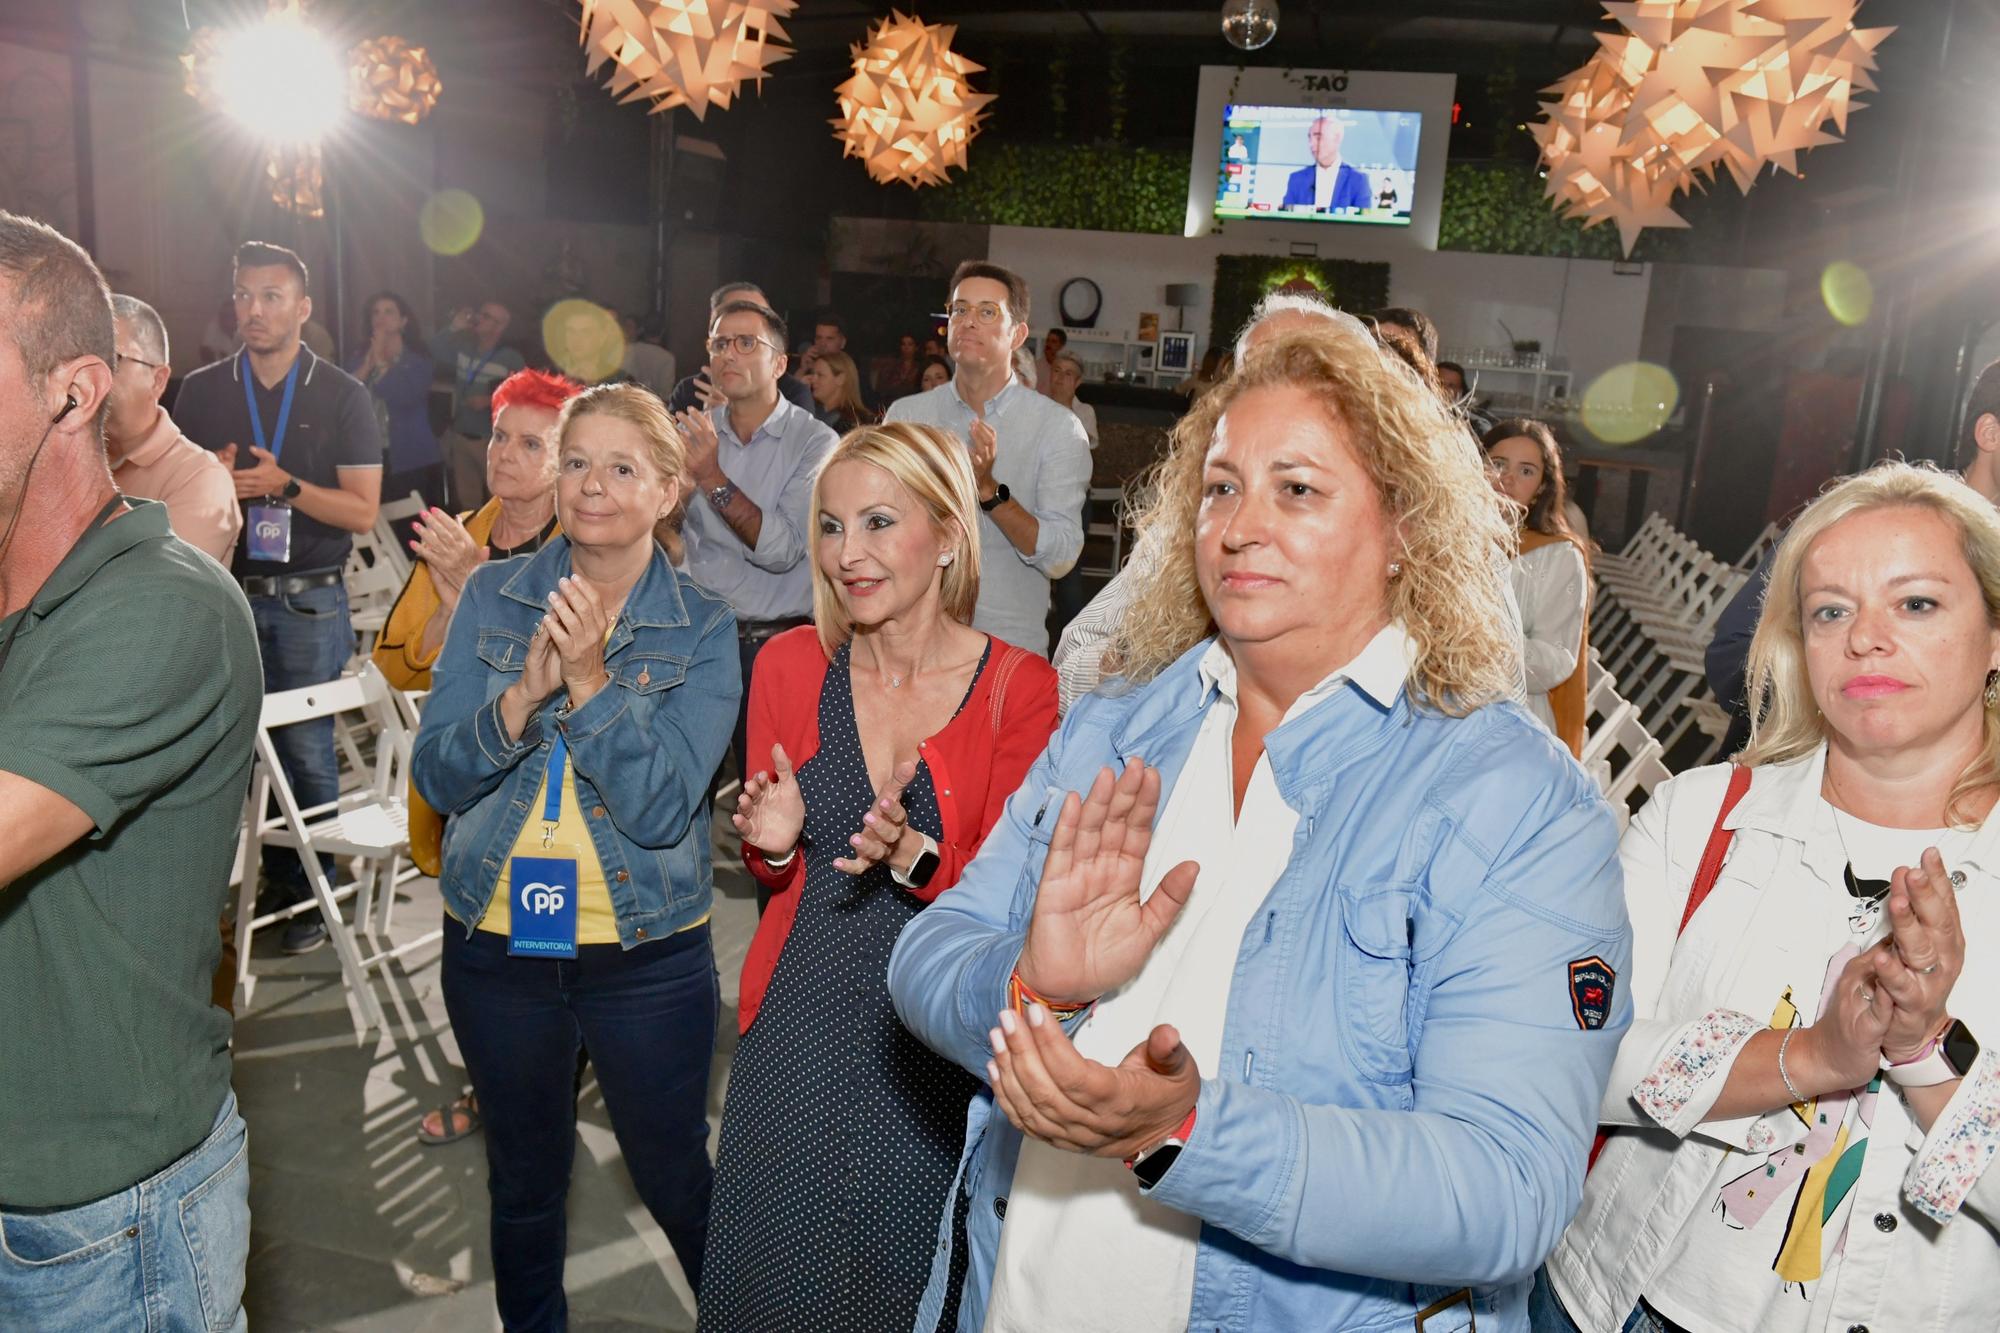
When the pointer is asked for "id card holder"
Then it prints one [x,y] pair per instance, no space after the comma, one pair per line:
[541,920]
[1453,1314]
[270,536]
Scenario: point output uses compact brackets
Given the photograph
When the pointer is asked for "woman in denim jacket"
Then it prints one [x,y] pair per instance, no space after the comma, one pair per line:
[585,695]
[1321,1046]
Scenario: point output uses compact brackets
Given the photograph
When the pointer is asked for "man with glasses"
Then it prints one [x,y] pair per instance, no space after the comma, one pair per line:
[698,390]
[305,452]
[1030,458]
[150,458]
[752,458]
[471,351]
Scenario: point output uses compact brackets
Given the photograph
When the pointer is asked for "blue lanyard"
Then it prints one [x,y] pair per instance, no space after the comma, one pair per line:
[552,800]
[465,385]
[276,447]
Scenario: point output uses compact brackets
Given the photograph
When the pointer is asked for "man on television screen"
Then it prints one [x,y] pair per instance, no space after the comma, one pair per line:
[1328,185]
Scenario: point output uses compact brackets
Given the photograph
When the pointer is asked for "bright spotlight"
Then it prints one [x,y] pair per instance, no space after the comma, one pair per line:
[281,80]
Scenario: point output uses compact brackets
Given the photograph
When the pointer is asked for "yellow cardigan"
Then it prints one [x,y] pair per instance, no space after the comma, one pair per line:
[399,654]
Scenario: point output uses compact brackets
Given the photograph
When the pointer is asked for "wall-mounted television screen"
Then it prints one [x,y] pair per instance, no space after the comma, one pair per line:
[1318,164]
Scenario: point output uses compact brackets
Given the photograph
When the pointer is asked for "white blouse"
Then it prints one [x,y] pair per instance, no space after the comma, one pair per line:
[1553,587]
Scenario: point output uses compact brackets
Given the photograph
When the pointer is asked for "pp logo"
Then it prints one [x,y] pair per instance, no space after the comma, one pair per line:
[540,899]
[269,531]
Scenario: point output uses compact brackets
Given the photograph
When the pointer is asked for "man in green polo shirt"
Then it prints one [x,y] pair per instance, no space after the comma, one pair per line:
[129,693]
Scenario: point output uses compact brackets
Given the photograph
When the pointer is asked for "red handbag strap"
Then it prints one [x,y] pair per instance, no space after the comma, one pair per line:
[1719,838]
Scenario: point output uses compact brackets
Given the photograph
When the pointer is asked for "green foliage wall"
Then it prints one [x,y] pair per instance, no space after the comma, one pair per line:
[1242,280]
[1494,208]
[1086,187]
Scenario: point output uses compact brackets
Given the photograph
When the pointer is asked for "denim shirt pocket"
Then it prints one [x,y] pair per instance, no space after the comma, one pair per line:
[1375,975]
[648,671]
[505,655]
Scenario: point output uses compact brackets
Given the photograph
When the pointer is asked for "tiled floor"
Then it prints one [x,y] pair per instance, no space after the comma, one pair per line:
[356,1227]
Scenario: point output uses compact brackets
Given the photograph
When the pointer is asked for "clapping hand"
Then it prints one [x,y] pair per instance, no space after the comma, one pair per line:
[1050,1091]
[1090,932]
[703,446]
[884,827]
[578,625]
[770,810]
[985,443]
[1920,962]
[264,478]
[443,543]
[705,391]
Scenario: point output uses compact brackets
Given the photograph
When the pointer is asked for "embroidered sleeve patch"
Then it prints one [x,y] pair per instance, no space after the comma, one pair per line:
[1590,984]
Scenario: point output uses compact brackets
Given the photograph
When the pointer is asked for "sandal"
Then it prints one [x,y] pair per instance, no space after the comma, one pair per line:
[466,1108]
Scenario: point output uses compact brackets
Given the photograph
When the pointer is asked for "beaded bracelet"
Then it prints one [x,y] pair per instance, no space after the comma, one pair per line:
[1798,1098]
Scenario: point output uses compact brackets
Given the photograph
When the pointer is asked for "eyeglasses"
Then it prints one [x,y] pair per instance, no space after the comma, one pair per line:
[986,312]
[123,357]
[743,344]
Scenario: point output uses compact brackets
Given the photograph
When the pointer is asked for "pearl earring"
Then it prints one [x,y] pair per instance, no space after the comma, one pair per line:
[944,559]
[1395,568]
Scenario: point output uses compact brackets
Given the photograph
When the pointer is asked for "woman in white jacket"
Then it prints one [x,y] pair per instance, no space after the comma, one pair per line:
[1802,1117]
[1550,576]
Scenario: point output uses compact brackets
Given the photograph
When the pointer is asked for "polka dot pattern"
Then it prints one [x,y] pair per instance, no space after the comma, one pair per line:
[841,1132]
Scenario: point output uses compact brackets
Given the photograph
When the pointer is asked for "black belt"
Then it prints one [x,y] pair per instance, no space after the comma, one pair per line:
[756,631]
[287,585]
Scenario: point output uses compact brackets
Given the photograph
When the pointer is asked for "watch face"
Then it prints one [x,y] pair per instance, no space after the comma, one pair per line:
[923,868]
[1961,1048]
[1155,1164]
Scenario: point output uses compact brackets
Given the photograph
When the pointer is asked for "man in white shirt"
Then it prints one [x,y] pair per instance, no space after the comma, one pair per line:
[1030,457]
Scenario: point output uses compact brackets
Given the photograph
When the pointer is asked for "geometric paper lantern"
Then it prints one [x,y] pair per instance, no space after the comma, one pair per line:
[298,183]
[389,79]
[907,111]
[687,53]
[1687,88]
[199,60]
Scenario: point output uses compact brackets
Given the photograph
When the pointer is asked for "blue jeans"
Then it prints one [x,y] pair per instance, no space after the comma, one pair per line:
[304,639]
[167,1253]
[648,1017]
[1546,1313]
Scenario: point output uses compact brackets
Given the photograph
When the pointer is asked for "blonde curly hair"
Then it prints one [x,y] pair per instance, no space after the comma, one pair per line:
[1790,724]
[1433,486]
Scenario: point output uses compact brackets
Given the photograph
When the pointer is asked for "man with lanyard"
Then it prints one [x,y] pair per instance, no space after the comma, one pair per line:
[472,351]
[1030,457]
[128,708]
[752,458]
[302,438]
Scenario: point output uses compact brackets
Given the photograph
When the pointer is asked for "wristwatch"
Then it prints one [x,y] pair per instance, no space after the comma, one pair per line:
[1949,1056]
[720,496]
[291,491]
[1001,495]
[921,870]
[1150,1166]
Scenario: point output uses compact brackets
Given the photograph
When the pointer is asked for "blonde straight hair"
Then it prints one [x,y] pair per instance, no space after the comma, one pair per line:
[1789,724]
[1432,482]
[937,471]
[640,407]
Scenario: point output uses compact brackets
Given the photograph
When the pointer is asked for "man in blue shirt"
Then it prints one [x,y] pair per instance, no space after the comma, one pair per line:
[472,353]
[1030,457]
[748,527]
[1327,184]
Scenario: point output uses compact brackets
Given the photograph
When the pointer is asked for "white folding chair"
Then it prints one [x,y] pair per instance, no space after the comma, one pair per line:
[368,827]
[374,581]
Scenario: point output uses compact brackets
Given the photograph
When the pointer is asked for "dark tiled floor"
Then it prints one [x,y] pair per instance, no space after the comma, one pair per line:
[356,1227]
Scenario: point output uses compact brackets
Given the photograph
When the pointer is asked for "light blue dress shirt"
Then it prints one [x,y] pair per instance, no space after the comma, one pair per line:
[775,468]
[1043,457]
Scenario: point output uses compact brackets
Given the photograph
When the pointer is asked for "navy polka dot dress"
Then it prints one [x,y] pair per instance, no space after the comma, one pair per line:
[841,1132]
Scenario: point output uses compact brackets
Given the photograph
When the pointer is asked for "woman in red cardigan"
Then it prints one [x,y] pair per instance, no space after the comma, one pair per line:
[895,733]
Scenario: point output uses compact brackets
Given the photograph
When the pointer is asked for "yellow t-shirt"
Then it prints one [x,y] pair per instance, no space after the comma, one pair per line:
[596,922]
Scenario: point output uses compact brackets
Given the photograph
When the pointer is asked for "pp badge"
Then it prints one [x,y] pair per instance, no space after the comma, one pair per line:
[1591,982]
[270,533]
[541,919]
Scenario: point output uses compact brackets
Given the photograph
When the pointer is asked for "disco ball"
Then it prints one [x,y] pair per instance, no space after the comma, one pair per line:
[1249,24]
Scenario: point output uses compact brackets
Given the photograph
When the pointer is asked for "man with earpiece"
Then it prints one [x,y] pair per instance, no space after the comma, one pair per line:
[302,437]
[129,696]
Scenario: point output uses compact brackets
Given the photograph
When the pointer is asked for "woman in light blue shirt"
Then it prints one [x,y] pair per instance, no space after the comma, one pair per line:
[1296,967]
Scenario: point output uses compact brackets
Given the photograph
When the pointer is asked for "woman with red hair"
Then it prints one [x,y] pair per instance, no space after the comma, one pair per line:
[519,520]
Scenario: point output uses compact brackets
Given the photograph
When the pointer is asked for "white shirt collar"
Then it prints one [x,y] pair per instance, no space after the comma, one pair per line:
[1380,671]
